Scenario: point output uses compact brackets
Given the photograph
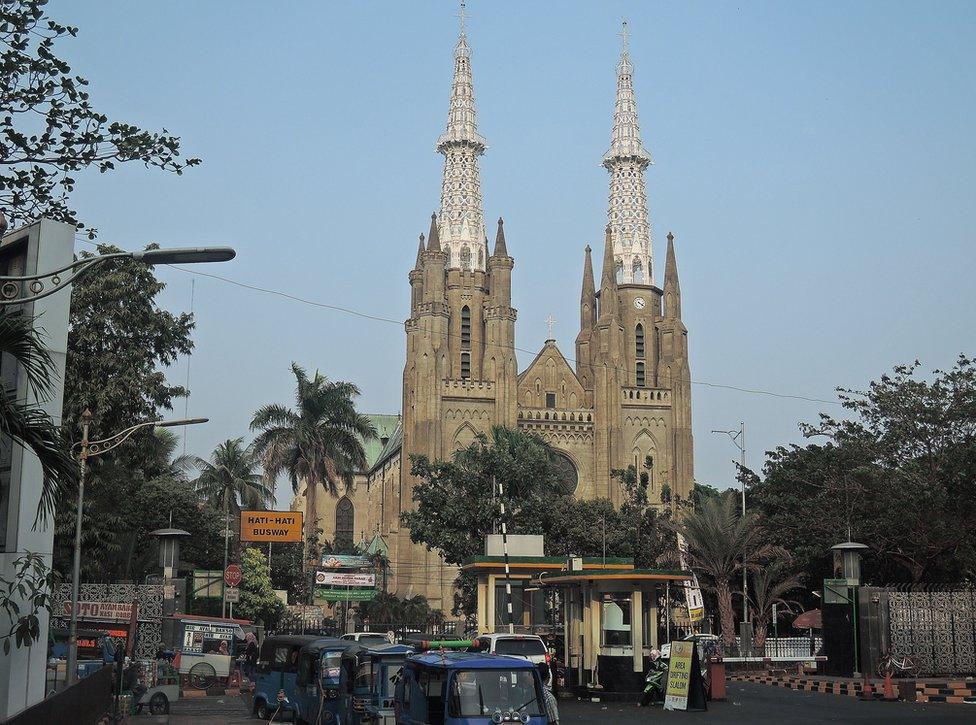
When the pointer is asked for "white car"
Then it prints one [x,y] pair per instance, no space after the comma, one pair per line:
[705,642]
[525,646]
[369,639]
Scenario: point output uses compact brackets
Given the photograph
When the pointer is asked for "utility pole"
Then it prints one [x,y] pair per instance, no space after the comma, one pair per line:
[508,572]
[739,441]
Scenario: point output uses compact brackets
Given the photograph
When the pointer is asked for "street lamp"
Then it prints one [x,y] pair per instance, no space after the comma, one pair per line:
[39,286]
[738,438]
[88,449]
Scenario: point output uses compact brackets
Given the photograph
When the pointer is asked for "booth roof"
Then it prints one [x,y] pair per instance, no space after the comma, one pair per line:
[471,660]
[636,575]
[547,562]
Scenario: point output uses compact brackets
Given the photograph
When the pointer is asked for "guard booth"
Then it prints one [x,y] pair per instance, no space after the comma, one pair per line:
[601,612]
[610,622]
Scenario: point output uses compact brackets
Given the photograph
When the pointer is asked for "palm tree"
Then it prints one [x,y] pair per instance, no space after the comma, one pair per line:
[717,536]
[231,476]
[26,424]
[770,583]
[168,463]
[320,443]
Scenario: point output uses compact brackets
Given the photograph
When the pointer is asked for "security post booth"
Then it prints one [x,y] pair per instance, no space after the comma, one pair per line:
[610,622]
[531,608]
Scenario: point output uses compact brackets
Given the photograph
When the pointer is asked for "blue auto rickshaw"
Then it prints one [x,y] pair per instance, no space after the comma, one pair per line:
[367,680]
[467,688]
[305,671]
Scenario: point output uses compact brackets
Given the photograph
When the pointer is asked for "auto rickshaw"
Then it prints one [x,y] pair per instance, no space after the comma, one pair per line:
[467,688]
[366,682]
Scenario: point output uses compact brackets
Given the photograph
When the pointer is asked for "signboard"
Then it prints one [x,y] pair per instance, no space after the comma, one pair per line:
[346,579]
[208,583]
[271,525]
[344,595]
[679,676]
[232,575]
[102,611]
[232,594]
[345,561]
[202,637]
[693,594]
[836,591]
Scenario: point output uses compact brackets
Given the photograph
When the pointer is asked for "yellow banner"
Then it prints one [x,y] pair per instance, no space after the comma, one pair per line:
[679,676]
[271,526]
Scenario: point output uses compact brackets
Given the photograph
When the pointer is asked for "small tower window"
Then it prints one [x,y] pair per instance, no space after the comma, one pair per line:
[550,400]
[465,365]
[640,375]
[465,257]
[639,334]
[345,523]
[638,272]
[620,271]
[465,328]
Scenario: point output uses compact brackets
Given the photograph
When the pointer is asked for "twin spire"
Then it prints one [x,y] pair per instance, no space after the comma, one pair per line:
[459,229]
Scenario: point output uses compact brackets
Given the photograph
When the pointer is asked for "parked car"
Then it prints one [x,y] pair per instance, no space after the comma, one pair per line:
[527,646]
[369,639]
[709,645]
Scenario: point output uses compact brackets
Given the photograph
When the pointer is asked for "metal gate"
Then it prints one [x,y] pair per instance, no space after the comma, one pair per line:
[936,628]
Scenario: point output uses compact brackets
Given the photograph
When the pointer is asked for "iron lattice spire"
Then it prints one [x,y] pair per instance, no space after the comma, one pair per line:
[626,160]
[462,218]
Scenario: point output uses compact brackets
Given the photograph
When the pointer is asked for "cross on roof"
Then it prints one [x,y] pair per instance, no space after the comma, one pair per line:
[550,321]
[624,33]
[462,16]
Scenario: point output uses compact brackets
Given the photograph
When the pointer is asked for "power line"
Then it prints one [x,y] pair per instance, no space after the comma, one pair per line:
[379,318]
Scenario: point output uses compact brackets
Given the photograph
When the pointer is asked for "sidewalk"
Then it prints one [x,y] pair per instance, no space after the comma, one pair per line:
[930,689]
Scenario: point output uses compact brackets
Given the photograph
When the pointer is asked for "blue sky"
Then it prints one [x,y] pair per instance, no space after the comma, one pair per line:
[816,163]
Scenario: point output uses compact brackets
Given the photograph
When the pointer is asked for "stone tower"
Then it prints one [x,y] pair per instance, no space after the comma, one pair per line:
[460,373]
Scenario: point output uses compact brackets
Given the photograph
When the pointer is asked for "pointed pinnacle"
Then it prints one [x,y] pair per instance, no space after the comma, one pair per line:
[420,253]
[501,250]
[433,239]
[589,287]
[609,273]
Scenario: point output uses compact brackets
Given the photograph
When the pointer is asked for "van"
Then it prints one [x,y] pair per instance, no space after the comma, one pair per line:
[529,647]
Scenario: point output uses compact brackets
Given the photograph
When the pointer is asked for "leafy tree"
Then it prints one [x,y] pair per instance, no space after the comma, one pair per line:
[28,425]
[258,600]
[387,608]
[49,129]
[119,345]
[717,536]
[457,501]
[770,583]
[320,443]
[23,597]
[702,492]
[905,459]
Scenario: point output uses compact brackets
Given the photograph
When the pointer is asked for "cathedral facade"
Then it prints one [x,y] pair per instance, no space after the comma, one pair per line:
[625,398]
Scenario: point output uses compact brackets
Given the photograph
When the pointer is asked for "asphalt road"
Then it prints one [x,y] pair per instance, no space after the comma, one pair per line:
[747,703]
[750,703]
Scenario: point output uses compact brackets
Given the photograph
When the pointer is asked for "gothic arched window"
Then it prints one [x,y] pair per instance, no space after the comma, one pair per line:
[465,365]
[620,271]
[465,328]
[638,272]
[639,334]
[345,523]
[465,257]
[640,375]
[565,471]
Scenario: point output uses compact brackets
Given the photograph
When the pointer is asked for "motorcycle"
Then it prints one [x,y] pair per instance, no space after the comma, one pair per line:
[655,682]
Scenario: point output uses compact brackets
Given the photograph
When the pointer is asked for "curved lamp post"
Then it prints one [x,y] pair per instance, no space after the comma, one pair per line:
[87,449]
[32,287]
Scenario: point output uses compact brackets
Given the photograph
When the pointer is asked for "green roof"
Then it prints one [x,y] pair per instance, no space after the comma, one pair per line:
[546,560]
[385,426]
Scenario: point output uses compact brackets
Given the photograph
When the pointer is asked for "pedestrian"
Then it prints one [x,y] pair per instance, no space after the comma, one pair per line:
[552,709]
[250,655]
[108,650]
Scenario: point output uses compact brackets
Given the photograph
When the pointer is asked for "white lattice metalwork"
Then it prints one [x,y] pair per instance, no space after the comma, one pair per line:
[626,160]
[461,223]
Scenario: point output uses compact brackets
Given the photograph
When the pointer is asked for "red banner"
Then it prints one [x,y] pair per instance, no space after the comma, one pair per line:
[102,611]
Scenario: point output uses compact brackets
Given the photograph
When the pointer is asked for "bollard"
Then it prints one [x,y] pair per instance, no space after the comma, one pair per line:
[716,679]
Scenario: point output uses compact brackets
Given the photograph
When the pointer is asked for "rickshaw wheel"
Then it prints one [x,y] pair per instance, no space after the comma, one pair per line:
[202,676]
[159,704]
[262,710]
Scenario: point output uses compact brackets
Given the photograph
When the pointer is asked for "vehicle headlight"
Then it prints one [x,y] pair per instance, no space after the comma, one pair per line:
[497,717]
[524,717]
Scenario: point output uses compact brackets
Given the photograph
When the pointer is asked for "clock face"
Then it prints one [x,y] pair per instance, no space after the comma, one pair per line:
[639,303]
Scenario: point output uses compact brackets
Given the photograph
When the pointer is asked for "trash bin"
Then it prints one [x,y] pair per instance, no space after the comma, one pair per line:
[716,678]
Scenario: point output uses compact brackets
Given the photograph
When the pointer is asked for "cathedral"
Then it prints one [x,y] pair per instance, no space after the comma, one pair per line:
[625,399]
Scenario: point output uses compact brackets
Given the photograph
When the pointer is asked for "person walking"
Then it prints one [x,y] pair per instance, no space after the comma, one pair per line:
[552,709]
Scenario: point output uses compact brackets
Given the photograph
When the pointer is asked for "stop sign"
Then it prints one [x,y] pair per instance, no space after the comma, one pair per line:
[232,575]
